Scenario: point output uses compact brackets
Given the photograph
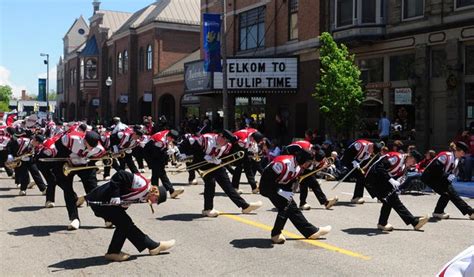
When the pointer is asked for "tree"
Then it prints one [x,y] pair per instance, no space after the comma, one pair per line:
[339,92]
[4,107]
[5,93]
[52,95]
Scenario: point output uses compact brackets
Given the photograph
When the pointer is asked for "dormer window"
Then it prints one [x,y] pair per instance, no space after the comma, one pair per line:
[91,69]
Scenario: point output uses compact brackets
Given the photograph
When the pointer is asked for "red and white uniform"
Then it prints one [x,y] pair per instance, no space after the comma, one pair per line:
[160,140]
[139,189]
[397,162]
[105,139]
[126,141]
[74,141]
[144,140]
[447,159]
[4,140]
[286,168]
[209,145]
[23,146]
[244,139]
[303,144]
[362,148]
[49,146]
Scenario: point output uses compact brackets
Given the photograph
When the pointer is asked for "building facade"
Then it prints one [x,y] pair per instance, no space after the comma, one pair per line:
[417,63]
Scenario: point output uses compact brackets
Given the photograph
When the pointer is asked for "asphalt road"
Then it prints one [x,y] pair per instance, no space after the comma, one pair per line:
[34,240]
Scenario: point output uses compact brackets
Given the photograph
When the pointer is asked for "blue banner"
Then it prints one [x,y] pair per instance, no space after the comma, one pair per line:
[212,42]
[42,90]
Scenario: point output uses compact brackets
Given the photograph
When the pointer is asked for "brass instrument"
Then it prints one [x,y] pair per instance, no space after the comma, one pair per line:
[363,169]
[325,166]
[16,162]
[68,168]
[229,159]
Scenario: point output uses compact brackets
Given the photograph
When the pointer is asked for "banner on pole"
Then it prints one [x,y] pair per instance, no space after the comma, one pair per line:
[42,89]
[212,42]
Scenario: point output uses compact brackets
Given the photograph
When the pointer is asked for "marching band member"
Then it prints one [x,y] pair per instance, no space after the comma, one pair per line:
[248,140]
[211,148]
[126,140]
[382,183]
[311,181]
[157,153]
[22,147]
[440,174]
[122,188]
[4,140]
[276,185]
[357,155]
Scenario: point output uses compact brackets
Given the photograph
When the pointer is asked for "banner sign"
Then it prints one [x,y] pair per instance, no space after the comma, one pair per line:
[260,73]
[41,89]
[403,96]
[147,97]
[212,44]
[196,79]
[123,99]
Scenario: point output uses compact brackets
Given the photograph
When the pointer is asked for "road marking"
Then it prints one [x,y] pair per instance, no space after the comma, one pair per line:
[295,236]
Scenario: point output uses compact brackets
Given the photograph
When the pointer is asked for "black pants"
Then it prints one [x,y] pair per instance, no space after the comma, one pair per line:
[258,166]
[137,152]
[393,202]
[286,209]
[32,168]
[124,229]
[192,175]
[220,176]
[115,165]
[3,159]
[311,182]
[46,168]
[158,172]
[445,189]
[89,181]
[128,161]
[359,186]
[246,165]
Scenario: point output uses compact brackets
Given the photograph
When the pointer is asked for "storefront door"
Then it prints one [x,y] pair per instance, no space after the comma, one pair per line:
[250,111]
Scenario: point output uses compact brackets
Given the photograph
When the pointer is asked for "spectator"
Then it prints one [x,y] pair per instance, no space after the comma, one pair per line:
[384,127]
[281,130]
[430,155]
[308,136]
[397,146]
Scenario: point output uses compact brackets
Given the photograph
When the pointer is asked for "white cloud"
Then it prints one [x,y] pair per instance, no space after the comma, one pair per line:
[5,80]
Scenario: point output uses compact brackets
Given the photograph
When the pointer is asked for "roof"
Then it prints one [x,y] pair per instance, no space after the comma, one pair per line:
[91,48]
[81,18]
[113,20]
[170,11]
[178,67]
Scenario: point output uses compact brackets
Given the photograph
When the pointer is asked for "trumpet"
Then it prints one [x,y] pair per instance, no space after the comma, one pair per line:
[16,162]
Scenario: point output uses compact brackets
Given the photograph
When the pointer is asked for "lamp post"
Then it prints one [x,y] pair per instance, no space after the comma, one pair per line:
[47,83]
[108,84]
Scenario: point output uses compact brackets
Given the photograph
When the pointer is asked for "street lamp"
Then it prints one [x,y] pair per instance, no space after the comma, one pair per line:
[46,62]
[108,83]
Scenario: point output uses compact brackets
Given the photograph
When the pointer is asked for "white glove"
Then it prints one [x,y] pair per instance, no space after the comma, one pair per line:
[1,148]
[213,160]
[355,164]
[115,201]
[170,152]
[115,149]
[79,160]
[394,183]
[10,157]
[182,157]
[129,151]
[451,177]
[285,194]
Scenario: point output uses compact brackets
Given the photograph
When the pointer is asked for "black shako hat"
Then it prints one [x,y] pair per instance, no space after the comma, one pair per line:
[92,138]
[416,155]
[228,135]
[303,156]
[462,146]
[162,197]
[257,136]
[173,133]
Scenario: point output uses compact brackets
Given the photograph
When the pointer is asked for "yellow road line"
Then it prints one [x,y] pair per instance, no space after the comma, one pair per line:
[295,236]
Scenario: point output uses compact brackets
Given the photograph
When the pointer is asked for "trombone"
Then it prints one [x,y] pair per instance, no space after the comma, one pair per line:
[229,159]
[68,168]
[325,166]
[16,162]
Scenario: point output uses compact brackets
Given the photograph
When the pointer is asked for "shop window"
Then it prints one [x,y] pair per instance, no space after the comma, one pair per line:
[469,105]
[252,29]
[141,59]
[413,8]
[464,3]
[250,112]
[120,63]
[125,61]
[344,12]
[149,57]
[469,53]
[368,11]
[91,69]
[293,22]
[371,70]
[438,63]
[401,67]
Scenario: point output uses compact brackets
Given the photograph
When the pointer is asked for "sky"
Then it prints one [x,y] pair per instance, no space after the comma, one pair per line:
[31,27]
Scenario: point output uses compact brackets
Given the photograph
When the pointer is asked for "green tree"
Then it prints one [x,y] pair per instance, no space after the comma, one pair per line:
[339,91]
[4,107]
[52,95]
[5,93]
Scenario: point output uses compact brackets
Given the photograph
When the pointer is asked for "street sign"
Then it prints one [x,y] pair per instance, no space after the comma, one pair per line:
[403,96]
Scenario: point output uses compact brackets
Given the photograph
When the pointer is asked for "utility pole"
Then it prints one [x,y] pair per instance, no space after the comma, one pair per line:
[47,83]
[225,96]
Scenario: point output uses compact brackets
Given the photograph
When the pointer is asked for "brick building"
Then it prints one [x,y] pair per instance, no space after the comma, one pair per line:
[417,60]
[127,50]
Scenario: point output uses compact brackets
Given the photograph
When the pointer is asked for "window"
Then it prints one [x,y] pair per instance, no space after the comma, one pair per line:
[141,59]
[369,11]
[371,70]
[344,12]
[469,61]
[81,31]
[293,20]
[464,3]
[413,8]
[120,63]
[125,61]
[91,69]
[438,63]
[82,69]
[252,29]
[149,58]
[401,67]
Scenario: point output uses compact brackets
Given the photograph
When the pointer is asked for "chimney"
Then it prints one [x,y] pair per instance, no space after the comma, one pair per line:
[96,5]
[23,95]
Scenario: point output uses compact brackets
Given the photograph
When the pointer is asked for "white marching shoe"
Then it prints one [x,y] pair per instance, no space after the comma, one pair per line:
[252,207]
[210,213]
[321,232]
[49,204]
[31,185]
[177,192]
[441,215]
[164,245]
[108,224]
[331,202]
[357,200]
[278,239]
[193,182]
[74,225]
[22,193]
[117,257]
[305,207]
[388,227]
